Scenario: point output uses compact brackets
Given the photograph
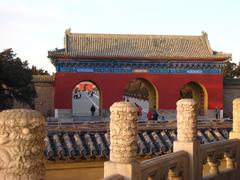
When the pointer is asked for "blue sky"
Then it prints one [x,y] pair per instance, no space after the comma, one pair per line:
[32,28]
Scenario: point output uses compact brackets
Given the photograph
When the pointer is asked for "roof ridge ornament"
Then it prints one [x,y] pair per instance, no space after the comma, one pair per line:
[68,31]
[205,36]
[66,41]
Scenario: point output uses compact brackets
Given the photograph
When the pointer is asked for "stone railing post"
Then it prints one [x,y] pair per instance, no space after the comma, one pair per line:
[235,133]
[123,142]
[22,134]
[187,136]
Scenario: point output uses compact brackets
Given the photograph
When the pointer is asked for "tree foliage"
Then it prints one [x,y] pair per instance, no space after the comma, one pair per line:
[15,81]
[231,70]
[36,71]
[237,71]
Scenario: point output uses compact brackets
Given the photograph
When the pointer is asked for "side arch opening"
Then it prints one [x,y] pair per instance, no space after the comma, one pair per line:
[199,93]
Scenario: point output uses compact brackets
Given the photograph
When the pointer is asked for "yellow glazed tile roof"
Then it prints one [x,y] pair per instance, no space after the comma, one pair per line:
[140,46]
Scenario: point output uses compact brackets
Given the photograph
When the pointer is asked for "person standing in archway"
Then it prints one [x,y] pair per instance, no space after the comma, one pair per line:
[155,115]
[217,113]
[149,115]
[139,111]
[93,109]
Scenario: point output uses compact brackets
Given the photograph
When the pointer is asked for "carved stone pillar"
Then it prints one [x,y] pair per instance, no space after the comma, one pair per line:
[123,132]
[235,133]
[187,136]
[186,120]
[123,141]
[236,120]
[22,134]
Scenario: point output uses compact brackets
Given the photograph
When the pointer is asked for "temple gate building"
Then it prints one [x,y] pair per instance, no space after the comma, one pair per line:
[169,67]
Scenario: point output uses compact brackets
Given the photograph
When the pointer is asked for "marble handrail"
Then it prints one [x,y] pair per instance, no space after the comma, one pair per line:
[213,153]
[170,165]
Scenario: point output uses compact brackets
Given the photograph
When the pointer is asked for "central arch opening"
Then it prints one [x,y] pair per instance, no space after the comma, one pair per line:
[143,93]
[86,100]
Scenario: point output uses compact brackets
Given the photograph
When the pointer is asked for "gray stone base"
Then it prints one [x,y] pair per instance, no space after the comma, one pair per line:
[167,114]
[171,115]
[211,114]
[63,113]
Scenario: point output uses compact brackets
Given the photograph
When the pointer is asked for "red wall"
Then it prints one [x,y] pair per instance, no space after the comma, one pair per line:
[112,85]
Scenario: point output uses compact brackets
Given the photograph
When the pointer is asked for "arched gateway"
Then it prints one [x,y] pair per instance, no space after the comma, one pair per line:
[169,63]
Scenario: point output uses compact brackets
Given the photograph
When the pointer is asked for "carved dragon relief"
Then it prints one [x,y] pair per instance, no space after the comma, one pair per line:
[123,134]
[21,144]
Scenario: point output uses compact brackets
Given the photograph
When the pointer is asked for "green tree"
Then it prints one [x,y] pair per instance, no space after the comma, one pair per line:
[228,69]
[15,81]
[36,71]
[231,70]
[237,71]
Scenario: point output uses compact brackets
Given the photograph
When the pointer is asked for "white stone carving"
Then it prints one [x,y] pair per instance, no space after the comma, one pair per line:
[186,120]
[22,134]
[123,132]
[236,115]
